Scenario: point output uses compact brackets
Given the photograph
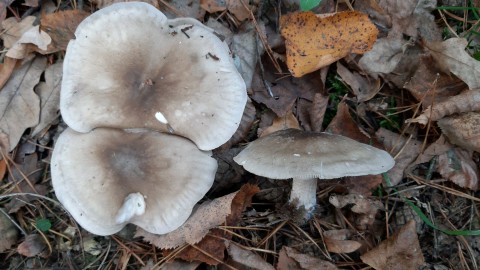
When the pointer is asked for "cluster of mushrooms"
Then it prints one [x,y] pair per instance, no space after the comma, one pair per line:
[146,102]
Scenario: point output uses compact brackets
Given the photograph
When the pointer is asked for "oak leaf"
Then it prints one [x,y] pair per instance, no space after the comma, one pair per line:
[314,42]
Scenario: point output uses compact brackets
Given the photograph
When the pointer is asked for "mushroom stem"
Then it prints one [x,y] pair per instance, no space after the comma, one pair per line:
[133,205]
[304,193]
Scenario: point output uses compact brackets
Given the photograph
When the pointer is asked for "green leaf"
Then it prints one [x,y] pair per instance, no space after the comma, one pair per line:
[43,224]
[308,4]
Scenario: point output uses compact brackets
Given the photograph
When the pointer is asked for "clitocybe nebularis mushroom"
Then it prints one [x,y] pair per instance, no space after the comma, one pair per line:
[110,177]
[306,156]
[131,67]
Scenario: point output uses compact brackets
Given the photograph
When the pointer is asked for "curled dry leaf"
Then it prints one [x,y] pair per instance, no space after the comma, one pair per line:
[247,258]
[457,166]
[401,249]
[8,232]
[6,70]
[452,57]
[314,42]
[336,241]
[431,86]
[19,105]
[280,123]
[207,216]
[49,92]
[467,101]
[61,26]
[363,87]
[365,207]
[462,129]
[32,40]
[384,57]
[32,245]
[405,151]
[289,258]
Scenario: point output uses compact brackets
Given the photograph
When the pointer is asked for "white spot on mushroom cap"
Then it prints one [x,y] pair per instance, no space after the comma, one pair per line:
[161,118]
[133,205]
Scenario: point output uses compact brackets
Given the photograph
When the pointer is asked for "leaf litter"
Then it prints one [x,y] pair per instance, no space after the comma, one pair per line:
[377,52]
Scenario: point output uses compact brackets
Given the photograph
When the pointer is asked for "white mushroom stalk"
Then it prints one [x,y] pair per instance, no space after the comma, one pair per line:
[133,205]
[304,193]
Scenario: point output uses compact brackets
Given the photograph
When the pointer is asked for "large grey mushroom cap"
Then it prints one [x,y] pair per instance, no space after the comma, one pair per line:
[131,67]
[108,177]
[297,154]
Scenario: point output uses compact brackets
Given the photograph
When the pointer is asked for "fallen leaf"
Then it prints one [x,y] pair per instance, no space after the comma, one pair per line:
[311,115]
[104,3]
[240,11]
[3,168]
[182,8]
[175,265]
[467,101]
[23,47]
[313,42]
[6,70]
[212,6]
[209,215]
[436,148]
[19,105]
[247,258]
[13,29]
[451,56]
[280,123]
[336,241]
[384,57]
[457,166]
[8,232]
[290,259]
[405,151]
[49,93]
[33,245]
[431,86]
[61,26]
[400,250]
[363,87]
[462,129]
[365,208]
[3,9]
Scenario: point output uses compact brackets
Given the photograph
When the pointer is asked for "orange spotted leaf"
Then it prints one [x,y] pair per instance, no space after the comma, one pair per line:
[313,42]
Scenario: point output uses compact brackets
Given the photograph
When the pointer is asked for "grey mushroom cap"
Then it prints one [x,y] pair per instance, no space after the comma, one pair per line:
[131,67]
[109,177]
[297,154]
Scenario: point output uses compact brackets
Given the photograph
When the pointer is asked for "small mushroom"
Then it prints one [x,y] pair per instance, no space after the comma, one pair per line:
[110,177]
[306,156]
[131,67]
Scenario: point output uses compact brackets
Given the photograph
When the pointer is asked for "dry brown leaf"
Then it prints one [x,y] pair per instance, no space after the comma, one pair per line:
[237,8]
[401,249]
[8,232]
[213,244]
[3,9]
[404,150]
[290,259]
[104,3]
[431,86]
[32,245]
[437,148]
[451,56]
[363,87]
[207,216]
[247,50]
[61,26]
[365,208]
[19,105]
[384,57]
[182,8]
[280,123]
[32,40]
[311,114]
[6,70]
[336,241]
[247,258]
[49,93]
[457,166]
[3,168]
[314,42]
[467,101]
[462,129]
[212,6]
[13,29]
[175,265]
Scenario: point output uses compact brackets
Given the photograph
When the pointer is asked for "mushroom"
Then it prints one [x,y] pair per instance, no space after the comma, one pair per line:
[110,177]
[306,156]
[131,67]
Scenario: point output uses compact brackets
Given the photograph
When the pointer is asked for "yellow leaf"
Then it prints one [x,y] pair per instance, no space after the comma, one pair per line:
[314,42]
